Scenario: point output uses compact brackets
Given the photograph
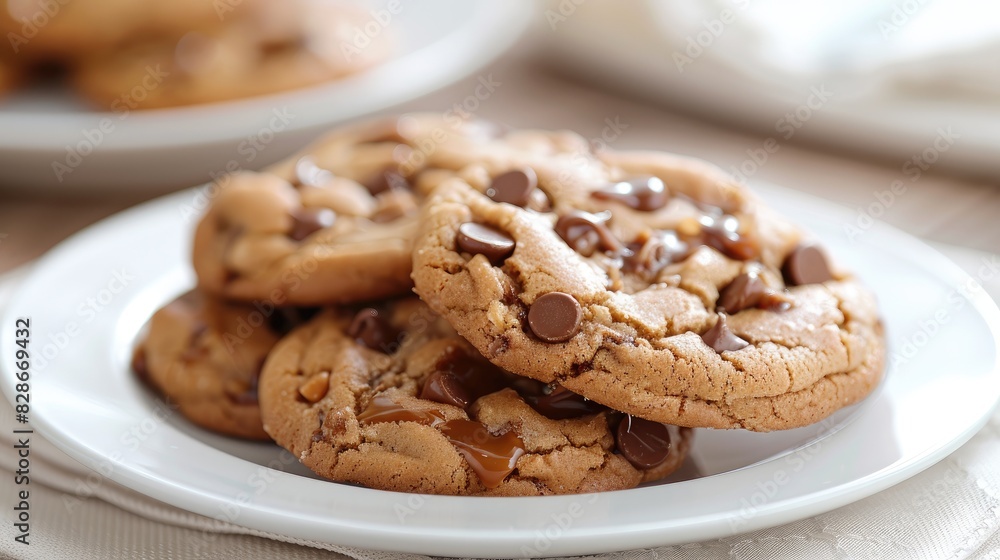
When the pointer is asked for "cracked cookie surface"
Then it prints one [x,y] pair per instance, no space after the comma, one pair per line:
[391,398]
[334,224]
[650,283]
[204,356]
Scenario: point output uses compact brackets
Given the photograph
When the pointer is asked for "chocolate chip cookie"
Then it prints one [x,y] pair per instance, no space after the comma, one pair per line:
[59,30]
[204,355]
[259,49]
[334,224]
[651,283]
[389,397]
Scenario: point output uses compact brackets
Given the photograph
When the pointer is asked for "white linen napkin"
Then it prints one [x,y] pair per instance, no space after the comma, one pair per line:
[934,46]
[884,78]
[951,510]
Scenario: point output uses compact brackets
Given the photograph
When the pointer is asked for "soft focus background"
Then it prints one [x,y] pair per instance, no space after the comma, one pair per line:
[890,108]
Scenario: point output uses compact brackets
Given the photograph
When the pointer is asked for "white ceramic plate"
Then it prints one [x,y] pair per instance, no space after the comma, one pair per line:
[439,41]
[943,384]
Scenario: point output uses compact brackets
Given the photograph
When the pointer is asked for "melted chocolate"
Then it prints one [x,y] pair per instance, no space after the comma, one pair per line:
[370,329]
[722,234]
[384,409]
[460,380]
[748,291]
[446,388]
[586,233]
[492,457]
[639,193]
[721,339]
[559,403]
[657,252]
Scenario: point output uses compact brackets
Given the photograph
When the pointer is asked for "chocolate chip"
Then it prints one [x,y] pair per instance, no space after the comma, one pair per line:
[386,180]
[559,403]
[491,457]
[722,233]
[721,339]
[640,193]
[555,317]
[514,187]
[307,221]
[586,232]
[651,257]
[744,292]
[478,239]
[528,388]
[307,173]
[732,245]
[464,378]
[643,443]
[806,265]
[444,387]
[370,329]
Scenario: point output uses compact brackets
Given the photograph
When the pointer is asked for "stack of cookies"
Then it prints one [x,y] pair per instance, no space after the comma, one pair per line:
[131,54]
[424,304]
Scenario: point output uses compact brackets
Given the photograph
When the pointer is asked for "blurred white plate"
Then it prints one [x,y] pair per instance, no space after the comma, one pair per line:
[440,41]
[941,389]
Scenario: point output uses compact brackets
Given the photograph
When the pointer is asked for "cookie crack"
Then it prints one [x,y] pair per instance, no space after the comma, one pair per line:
[727,410]
[539,482]
[847,318]
[619,317]
[568,445]
[577,370]
[449,268]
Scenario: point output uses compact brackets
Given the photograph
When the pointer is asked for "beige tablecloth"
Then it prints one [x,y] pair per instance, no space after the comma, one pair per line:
[77,515]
